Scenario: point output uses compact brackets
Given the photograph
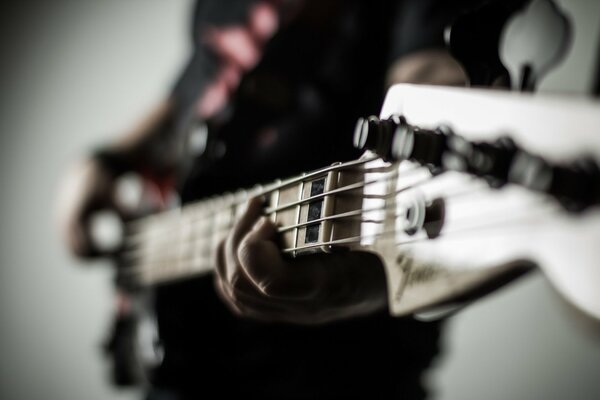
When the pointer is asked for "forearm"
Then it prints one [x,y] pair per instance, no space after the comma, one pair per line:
[148,145]
[89,185]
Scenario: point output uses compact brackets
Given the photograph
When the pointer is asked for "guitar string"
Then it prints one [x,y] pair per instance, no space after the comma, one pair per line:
[205,258]
[209,232]
[188,210]
[208,211]
[201,239]
[204,243]
[388,168]
[360,238]
[173,221]
[209,262]
[134,239]
[244,195]
[343,189]
[192,217]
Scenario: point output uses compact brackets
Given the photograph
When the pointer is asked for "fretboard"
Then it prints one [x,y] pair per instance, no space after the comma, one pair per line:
[314,212]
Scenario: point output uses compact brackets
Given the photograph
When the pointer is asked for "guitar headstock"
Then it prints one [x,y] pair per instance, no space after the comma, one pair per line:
[476,185]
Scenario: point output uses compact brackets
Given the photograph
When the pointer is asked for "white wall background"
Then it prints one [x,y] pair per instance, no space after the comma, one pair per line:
[73,73]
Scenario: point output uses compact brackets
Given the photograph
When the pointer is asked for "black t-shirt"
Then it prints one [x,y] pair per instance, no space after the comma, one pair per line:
[322,69]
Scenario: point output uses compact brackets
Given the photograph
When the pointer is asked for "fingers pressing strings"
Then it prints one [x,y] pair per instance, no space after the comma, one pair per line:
[264,232]
[138,234]
[204,236]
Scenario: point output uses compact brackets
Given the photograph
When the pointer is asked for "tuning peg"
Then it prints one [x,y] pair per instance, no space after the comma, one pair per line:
[375,134]
[491,161]
[403,139]
[395,139]
[362,139]
[459,152]
[421,145]
[530,171]
[576,186]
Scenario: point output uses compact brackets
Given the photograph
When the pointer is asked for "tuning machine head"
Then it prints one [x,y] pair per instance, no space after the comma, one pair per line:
[374,134]
[394,139]
[491,161]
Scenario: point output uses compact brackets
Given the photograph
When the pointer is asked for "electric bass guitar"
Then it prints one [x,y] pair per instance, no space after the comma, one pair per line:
[456,188]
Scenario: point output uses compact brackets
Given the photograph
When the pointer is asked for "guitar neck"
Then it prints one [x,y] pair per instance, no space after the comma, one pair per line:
[181,243]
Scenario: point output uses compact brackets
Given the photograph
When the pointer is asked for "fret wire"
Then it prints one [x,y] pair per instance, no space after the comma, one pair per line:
[277,193]
[215,231]
[298,211]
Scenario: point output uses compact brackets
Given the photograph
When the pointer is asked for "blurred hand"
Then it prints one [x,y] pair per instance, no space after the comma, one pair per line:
[88,187]
[256,281]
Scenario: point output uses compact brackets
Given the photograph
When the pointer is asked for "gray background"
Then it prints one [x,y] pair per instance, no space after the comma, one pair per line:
[75,73]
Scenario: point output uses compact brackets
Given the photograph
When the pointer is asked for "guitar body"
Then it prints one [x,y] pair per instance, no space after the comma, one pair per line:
[489,233]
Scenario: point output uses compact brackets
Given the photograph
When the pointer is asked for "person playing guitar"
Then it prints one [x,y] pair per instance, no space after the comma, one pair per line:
[274,89]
